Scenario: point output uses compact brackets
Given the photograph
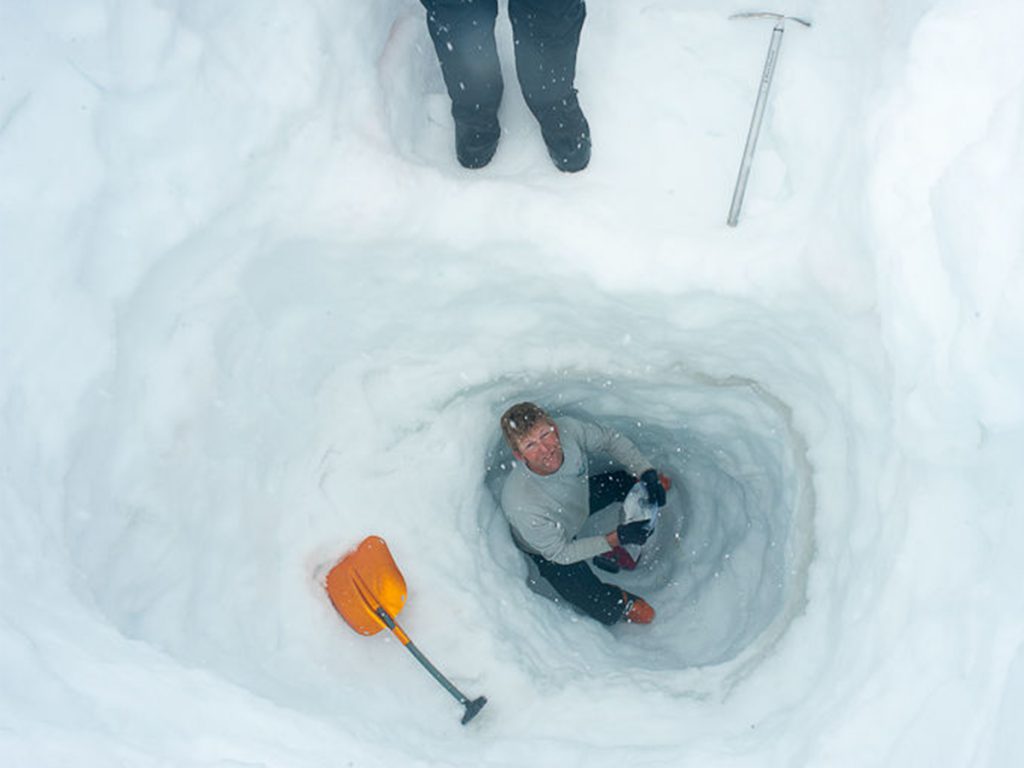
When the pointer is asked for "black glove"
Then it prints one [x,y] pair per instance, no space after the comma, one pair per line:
[655,490]
[634,533]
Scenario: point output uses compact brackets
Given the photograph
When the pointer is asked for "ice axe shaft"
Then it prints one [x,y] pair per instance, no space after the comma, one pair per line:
[759,106]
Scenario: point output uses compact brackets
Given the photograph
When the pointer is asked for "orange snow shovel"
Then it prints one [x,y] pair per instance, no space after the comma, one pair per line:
[368,590]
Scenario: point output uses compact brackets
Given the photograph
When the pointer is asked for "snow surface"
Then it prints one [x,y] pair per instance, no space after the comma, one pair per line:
[253,311]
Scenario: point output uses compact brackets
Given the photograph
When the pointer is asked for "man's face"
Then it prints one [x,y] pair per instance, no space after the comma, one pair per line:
[541,449]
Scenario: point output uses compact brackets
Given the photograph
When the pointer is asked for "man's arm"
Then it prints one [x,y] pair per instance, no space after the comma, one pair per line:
[621,448]
[615,444]
[548,538]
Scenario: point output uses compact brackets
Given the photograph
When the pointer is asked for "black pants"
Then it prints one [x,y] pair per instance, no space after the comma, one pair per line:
[576,583]
[546,35]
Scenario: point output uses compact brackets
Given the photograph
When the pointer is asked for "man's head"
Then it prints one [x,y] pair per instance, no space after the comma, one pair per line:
[533,437]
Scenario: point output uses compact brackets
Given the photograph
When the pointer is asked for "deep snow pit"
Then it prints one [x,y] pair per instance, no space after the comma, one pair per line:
[727,566]
[370,422]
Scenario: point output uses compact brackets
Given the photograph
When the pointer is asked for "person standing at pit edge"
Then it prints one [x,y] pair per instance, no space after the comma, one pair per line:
[546,34]
[549,495]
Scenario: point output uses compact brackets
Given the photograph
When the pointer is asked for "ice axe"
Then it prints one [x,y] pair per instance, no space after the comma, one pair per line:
[759,105]
[368,590]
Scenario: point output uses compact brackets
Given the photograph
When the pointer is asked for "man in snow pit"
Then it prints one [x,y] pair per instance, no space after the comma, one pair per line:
[546,34]
[549,495]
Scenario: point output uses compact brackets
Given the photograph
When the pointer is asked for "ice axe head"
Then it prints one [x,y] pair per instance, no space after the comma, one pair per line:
[780,18]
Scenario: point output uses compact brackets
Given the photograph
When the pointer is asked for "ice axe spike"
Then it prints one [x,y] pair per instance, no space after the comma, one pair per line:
[759,105]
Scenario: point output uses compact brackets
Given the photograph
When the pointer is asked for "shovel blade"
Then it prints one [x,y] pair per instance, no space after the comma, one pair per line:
[364,580]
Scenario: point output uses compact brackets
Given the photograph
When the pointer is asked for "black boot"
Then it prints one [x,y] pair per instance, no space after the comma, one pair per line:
[567,134]
[476,141]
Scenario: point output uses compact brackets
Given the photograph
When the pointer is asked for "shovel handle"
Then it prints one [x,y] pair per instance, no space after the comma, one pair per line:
[472,706]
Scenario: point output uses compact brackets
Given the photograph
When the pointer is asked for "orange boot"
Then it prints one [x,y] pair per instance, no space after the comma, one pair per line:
[637,611]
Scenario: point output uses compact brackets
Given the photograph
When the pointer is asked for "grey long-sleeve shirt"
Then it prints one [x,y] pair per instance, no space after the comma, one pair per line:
[547,511]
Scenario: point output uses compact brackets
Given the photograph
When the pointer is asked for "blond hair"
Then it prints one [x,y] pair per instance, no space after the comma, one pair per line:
[518,420]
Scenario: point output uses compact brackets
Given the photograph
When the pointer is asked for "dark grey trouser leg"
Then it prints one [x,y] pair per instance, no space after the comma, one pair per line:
[463,36]
[547,35]
[578,586]
[609,487]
